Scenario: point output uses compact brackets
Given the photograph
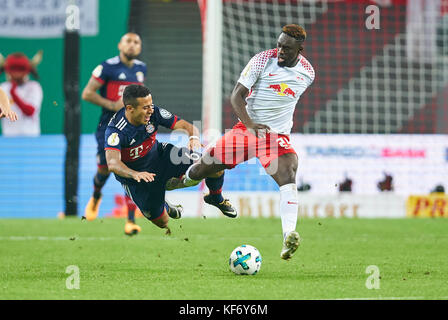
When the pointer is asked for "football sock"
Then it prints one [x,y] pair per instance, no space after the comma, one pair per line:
[215,187]
[131,208]
[98,183]
[289,205]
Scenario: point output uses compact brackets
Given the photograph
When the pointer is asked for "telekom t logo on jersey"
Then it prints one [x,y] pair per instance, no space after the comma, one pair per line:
[135,152]
[282,89]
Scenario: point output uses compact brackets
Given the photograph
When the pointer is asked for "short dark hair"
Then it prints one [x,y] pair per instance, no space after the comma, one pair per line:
[295,31]
[134,91]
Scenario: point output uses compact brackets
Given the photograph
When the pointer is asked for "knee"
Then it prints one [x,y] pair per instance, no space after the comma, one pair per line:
[162,221]
[286,175]
[289,171]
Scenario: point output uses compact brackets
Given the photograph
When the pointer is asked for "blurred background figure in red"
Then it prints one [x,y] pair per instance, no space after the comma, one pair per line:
[25,95]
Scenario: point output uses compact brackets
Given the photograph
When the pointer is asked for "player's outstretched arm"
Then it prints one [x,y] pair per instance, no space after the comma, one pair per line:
[91,95]
[238,100]
[5,109]
[194,142]
[114,163]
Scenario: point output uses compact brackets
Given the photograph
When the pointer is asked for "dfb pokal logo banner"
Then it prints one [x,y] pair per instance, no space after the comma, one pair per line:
[47,18]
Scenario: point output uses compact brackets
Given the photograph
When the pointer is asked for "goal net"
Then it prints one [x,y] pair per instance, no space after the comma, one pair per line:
[389,76]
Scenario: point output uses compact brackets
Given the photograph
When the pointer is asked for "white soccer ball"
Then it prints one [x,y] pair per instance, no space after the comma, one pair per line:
[245,259]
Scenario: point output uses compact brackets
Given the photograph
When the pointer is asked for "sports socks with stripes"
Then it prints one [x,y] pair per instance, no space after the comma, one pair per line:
[215,187]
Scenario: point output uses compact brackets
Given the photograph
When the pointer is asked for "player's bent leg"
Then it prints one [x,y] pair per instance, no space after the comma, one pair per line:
[201,170]
[162,220]
[215,197]
[160,212]
[92,208]
[285,176]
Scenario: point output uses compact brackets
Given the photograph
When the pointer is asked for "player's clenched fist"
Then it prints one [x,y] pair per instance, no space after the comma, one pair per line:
[194,143]
[145,176]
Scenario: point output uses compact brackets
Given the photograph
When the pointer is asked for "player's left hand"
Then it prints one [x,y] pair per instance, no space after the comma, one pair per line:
[195,144]
[143,176]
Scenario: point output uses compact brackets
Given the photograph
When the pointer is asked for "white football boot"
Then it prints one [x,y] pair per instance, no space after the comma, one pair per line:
[290,245]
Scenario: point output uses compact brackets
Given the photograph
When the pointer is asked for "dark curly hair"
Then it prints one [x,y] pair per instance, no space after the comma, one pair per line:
[134,91]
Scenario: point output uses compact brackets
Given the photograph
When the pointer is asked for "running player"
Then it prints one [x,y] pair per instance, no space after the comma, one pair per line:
[111,77]
[144,166]
[264,100]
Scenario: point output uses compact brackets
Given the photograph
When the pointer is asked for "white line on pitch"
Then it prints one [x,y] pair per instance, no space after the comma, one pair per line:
[383,298]
[45,238]
[75,237]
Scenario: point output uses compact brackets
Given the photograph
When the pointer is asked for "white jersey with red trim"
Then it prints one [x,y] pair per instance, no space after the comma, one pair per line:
[30,92]
[274,90]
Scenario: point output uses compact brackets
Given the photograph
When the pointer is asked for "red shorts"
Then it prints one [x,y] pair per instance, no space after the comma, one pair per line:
[239,145]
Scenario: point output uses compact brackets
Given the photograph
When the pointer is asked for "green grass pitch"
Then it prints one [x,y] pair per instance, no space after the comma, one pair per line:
[192,263]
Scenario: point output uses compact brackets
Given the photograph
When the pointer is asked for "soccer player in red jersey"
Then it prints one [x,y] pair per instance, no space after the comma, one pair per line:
[264,99]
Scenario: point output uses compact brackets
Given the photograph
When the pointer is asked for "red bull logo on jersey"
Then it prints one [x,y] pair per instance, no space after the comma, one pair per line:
[282,89]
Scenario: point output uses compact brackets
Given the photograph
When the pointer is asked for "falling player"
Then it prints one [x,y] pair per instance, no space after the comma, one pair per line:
[111,77]
[264,100]
[144,166]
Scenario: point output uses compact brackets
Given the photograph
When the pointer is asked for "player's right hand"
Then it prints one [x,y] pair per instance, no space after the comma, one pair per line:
[145,176]
[258,129]
[11,115]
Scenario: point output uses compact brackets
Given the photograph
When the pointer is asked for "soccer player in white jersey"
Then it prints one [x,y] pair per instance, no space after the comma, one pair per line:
[264,100]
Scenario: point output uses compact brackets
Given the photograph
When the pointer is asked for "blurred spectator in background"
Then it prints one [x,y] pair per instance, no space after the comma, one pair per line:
[386,184]
[5,109]
[346,185]
[438,189]
[24,94]
[303,186]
